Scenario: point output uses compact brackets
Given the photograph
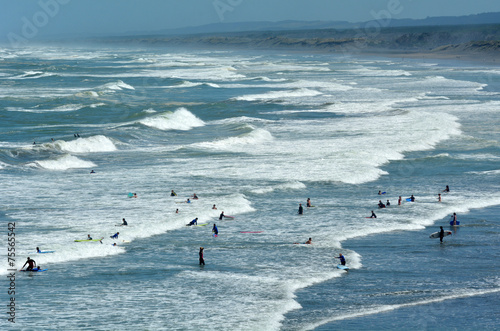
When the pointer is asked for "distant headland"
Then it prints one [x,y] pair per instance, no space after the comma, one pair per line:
[473,37]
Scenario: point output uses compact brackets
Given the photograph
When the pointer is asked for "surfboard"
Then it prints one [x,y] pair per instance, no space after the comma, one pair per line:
[436,234]
[227,216]
[343,267]
[45,252]
[202,224]
[35,270]
[83,240]
[451,223]
[251,231]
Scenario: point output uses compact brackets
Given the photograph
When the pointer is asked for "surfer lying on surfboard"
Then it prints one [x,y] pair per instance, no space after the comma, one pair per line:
[309,242]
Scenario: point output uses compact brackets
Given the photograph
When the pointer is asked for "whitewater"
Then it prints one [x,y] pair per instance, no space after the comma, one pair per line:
[252,134]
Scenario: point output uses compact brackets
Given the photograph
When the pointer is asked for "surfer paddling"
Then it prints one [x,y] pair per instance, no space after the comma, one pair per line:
[308,242]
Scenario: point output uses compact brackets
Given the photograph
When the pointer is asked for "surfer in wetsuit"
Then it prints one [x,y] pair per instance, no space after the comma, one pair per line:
[221,216]
[441,234]
[31,264]
[447,189]
[202,261]
[89,237]
[342,259]
[215,230]
[193,222]
[195,197]
[173,194]
[381,204]
[301,210]
[38,250]
[373,215]
[115,236]
[388,203]
[124,222]
[412,198]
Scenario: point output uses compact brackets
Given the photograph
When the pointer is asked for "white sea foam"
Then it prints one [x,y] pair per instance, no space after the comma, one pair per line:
[32,75]
[63,108]
[65,162]
[377,72]
[486,172]
[116,86]
[386,308]
[91,144]
[187,84]
[181,119]
[333,149]
[279,95]
[296,185]
[240,143]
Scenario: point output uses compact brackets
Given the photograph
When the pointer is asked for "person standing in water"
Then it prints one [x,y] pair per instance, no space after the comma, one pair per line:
[441,234]
[202,261]
[454,219]
[308,202]
[301,209]
[215,230]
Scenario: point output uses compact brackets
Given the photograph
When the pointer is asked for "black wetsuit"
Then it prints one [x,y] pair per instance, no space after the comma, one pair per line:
[441,234]
[202,261]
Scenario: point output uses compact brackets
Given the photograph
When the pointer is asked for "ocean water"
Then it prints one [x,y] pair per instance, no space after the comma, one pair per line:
[255,133]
